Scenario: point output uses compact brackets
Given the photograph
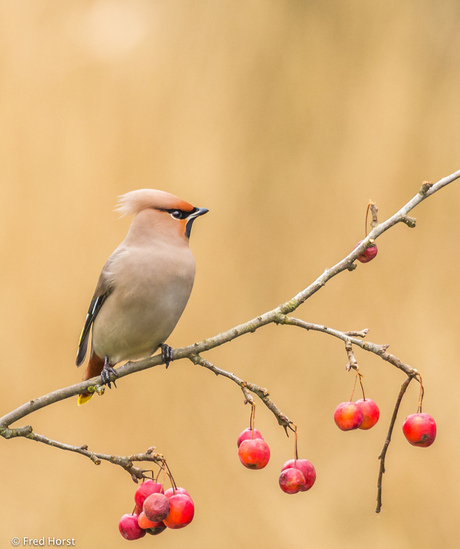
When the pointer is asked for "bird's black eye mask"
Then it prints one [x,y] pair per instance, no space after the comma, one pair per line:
[191,216]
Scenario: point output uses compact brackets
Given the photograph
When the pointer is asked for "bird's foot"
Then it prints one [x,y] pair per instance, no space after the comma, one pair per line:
[107,370]
[166,354]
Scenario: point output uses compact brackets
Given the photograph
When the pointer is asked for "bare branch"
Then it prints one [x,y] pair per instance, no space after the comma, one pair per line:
[383,453]
[246,387]
[245,328]
[352,362]
[126,462]
[379,350]
[278,315]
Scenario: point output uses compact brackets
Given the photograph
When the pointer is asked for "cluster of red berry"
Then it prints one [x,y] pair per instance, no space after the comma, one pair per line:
[419,429]
[362,414]
[157,510]
[297,475]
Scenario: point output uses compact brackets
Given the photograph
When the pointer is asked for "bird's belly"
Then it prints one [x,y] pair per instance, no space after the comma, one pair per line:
[133,324]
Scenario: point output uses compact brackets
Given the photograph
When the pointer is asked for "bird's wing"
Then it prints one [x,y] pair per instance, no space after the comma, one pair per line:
[103,289]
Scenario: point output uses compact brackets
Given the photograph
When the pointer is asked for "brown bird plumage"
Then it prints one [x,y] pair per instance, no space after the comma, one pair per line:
[144,285]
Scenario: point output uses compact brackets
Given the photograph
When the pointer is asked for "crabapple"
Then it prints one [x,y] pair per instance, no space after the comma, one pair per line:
[161,527]
[177,490]
[254,453]
[145,489]
[150,526]
[181,511]
[348,416]
[248,434]
[156,507]
[129,527]
[368,254]
[291,480]
[306,468]
[371,413]
[420,429]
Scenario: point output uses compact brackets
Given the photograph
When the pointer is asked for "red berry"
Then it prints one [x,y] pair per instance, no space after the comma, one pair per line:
[172,491]
[348,416]
[291,480]
[157,530]
[371,413]
[145,489]
[254,453]
[181,511]
[156,507]
[149,526]
[420,430]
[368,254]
[307,469]
[145,523]
[161,527]
[248,434]
[129,527]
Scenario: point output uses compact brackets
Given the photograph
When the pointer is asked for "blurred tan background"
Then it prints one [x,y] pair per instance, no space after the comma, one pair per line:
[284,119]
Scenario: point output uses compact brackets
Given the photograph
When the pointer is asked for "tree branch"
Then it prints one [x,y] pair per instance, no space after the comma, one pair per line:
[126,462]
[278,315]
[289,306]
[383,453]
[379,350]
[262,393]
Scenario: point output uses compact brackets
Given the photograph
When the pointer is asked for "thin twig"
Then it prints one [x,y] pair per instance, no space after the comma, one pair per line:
[379,350]
[383,453]
[352,362]
[126,462]
[262,393]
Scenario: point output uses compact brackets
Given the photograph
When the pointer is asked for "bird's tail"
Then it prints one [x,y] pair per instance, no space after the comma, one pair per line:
[93,369]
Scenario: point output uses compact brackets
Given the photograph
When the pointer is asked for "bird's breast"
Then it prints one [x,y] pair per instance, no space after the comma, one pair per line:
[150,291]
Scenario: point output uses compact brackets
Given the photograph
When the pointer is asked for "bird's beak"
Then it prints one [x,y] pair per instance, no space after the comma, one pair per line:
[198,212]
[191,218]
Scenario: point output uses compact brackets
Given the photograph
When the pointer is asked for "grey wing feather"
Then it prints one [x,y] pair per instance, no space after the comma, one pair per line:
[103,290]
[94,308]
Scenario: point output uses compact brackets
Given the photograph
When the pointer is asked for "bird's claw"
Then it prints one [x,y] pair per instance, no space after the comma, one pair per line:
[107,370]
[166,354]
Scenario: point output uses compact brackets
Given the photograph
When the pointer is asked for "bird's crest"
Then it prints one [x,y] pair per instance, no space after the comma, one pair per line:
[135,201]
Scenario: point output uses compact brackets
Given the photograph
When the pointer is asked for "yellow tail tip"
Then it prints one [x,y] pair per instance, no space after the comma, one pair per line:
[83,399]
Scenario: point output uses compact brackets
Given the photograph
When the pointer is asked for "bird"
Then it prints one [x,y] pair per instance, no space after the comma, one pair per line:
[143,287]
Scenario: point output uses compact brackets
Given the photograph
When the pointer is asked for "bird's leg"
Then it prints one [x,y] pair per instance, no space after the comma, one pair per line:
[105,374]
[166,353]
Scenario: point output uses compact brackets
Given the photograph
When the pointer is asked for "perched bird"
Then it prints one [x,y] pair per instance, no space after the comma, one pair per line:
[143,287]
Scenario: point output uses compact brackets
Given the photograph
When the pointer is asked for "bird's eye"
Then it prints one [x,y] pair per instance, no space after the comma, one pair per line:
[178,214]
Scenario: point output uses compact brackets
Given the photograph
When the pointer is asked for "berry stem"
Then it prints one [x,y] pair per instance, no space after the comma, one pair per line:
[171,478]
[252,418]
[358,375]
[361,383]
[370,206]
[421,394]
[164,473]
[353,391]
[296,453]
